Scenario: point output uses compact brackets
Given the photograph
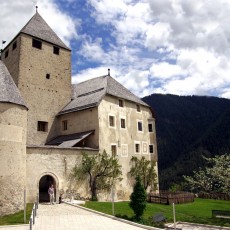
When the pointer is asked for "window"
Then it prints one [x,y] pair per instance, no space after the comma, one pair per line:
[56,50]
[6,53]
[144,148]
[138,108]
[122,123]
[121,103]
[65,125]
[14,45]
[137,148]
[124,150]
[42,126]
[151,149]
[37,44]
[111,121]
[114,150]
[150,125]
[47,76]
[139,126]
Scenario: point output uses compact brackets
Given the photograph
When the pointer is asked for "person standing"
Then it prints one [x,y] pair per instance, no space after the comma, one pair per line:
[51,194]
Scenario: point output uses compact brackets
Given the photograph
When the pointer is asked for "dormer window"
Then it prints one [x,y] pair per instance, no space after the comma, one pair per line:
[36,44]
[56,50]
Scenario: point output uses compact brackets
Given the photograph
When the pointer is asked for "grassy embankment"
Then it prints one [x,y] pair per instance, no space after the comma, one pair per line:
[198,212]
[17,218]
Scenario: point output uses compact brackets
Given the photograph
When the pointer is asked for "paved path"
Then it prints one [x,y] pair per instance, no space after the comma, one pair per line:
[67,217]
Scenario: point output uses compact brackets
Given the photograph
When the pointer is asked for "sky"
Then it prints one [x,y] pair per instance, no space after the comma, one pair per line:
[177,47]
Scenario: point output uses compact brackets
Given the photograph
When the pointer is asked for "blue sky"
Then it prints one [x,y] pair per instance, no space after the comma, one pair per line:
[151,46]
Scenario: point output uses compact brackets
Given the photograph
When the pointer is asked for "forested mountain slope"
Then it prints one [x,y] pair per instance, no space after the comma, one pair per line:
[188,127]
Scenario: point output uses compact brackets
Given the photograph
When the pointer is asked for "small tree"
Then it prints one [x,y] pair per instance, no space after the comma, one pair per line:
[213,178]
[138,199]
[145,170]
[101,170]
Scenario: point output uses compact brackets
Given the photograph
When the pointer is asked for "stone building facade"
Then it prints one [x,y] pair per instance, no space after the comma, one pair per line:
[46,123]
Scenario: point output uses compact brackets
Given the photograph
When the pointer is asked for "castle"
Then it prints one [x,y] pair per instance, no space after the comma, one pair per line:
[46,123]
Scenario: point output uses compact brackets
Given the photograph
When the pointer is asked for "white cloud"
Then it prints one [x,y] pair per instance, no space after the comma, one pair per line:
[15,14]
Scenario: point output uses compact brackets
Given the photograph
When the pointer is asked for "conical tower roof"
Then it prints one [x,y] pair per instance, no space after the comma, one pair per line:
[37,27]
[8,90]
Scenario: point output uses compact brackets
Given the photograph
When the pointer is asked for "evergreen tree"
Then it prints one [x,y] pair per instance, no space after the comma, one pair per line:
[138,199]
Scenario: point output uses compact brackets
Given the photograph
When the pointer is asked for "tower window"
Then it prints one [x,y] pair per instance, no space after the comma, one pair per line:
[6,53]
[37,44]
[65,125]
[56,50]
[42,126]
[14,45]
[47,76]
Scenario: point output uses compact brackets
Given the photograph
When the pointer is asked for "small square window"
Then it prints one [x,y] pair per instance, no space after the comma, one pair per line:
[138,108]
[121,103]
[42,126]
[139,126]
[65,125]
[151,149]
[111,121]
[47,76]
[114,150]
[150,126]
[137,148]
[37,44]
[122,123]
[6,53]
[56,50]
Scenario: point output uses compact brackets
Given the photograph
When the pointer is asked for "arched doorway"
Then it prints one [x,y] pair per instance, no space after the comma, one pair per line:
[44,185]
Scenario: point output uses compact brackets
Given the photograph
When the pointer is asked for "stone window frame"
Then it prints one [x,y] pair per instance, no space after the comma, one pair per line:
[137,146]
[138,126]
[124,150]
[112,145]
[144,145]
[42,126]
[121,103]
[36,43]
[123,118]
[112,123]
[138,108]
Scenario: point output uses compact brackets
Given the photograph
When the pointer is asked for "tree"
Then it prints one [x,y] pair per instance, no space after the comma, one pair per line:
[100,169]
[138,199]
[213,178]
[145,170]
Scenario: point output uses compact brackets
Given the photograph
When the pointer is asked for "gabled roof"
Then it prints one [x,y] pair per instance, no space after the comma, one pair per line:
[88,94]
[8,90]
[37,27]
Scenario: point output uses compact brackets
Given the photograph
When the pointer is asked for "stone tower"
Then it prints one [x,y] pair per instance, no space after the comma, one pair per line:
[13,121]
[40,65]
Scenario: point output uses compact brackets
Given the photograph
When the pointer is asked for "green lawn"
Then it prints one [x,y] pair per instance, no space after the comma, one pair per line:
[17,218]
[198,212]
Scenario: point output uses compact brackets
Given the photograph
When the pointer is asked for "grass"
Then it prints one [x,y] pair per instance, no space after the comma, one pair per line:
[17,218]
[200,211]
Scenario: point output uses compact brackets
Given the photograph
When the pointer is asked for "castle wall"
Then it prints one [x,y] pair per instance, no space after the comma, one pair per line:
[12,60]
[57,163]
[44,80]
[13,121]
[125,138]
[81,121]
